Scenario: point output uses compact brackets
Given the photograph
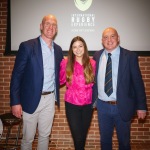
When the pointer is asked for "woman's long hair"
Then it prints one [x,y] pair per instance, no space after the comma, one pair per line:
[88,69]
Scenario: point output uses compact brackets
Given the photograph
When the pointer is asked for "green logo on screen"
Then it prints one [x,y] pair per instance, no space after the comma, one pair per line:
[83,4]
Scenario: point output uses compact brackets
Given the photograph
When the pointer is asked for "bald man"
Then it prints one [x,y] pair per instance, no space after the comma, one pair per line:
[35,84]
[118,91]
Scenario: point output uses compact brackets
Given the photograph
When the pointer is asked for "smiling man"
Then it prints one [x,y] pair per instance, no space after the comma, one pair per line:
[118,90]
[35,84]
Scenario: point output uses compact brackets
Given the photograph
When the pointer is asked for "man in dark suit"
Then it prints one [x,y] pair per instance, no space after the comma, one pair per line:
[35,84]
[118,91]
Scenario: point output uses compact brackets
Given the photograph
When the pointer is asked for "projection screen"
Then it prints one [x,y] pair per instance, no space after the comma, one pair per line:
[86,18]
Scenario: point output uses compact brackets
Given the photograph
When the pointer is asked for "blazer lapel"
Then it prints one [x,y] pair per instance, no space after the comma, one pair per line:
[38,50]
[97,62]
[55,57]
[122,64]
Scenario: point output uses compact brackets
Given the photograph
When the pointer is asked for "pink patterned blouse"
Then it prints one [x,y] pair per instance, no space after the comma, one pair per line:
[78,93]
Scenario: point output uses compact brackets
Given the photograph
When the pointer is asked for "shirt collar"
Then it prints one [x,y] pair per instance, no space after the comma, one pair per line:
[44,43]
[116,51]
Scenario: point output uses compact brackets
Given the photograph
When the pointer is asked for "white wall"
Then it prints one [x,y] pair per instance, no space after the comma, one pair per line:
[130,17]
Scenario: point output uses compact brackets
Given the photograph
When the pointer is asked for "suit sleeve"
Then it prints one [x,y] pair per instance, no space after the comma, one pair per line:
[17,74]
[138,84]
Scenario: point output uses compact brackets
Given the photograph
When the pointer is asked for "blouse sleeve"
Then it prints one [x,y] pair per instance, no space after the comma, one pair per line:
[62,73]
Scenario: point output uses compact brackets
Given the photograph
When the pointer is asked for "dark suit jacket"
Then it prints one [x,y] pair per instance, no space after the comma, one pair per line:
[27,76]
[130,88]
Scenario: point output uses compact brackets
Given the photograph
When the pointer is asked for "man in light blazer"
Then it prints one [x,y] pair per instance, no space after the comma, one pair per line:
[35,84]
[124,94]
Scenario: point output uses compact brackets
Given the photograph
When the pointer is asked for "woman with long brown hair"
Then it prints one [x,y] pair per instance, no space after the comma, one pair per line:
[77,71]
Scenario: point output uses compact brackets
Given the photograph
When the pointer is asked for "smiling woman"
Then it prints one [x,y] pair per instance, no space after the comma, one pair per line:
[77,72]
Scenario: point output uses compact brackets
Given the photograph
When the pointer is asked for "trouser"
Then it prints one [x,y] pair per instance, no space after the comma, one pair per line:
[79,118]
[43,117]
[108,118]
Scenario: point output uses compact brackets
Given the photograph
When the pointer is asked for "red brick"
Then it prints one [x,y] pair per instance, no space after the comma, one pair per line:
[61,135]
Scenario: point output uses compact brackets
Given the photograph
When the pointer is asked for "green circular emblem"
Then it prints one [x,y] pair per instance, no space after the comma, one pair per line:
[83,4]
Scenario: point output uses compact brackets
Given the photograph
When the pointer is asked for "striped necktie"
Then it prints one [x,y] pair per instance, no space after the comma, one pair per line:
[108,77]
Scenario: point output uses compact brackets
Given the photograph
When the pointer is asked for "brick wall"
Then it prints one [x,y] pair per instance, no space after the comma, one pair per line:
[61,137]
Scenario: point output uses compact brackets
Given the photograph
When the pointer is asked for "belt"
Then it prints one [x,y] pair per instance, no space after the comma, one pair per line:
[46,93]
[111,102]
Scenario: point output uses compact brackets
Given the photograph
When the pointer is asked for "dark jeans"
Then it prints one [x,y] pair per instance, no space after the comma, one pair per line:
[108,117]
[79,118]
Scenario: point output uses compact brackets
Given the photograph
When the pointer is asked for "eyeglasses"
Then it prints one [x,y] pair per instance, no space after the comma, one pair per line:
[47,25]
